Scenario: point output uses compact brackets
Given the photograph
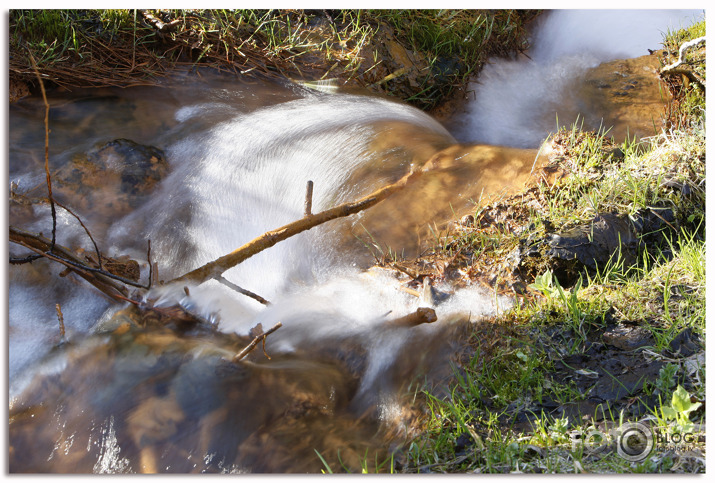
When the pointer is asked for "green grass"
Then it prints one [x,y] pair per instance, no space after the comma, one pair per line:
[455,43]
[472,430]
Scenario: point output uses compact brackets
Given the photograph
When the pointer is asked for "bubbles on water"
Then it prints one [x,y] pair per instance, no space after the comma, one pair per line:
[109,461]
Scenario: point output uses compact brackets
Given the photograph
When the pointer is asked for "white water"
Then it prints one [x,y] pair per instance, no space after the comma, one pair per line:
[517,102]
[236,174]
[239,171]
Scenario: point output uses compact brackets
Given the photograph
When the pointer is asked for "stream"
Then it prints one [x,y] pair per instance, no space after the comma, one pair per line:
[204,163]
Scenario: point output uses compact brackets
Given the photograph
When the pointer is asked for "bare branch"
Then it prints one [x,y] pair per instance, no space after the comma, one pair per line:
[148,260]
[61,320]
[255,342]
[101,279]
[215,268]
[47,148]
[242,291]
[423,315]
[96,248]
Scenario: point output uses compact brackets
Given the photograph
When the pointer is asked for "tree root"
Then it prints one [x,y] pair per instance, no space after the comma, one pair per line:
[680,67]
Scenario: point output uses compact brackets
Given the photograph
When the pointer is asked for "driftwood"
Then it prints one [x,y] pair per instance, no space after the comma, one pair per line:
[677,68]
[423,315]
[214,269]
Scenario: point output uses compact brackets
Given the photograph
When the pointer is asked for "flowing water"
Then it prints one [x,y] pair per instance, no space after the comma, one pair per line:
[517,102]
[239,157]
[119,397]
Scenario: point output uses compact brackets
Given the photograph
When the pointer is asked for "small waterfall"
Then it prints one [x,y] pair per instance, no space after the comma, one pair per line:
[237,172]
[518,102]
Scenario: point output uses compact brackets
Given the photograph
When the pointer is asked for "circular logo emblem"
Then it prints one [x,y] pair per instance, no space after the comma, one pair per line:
[635,441]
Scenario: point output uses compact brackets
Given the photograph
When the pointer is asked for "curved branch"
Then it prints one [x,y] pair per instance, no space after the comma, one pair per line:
[677,67]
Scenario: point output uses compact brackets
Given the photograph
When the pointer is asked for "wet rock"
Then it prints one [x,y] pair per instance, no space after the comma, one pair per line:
[628,337]
[576,411]
[653,220]
[685,344]
[596,243]
[467,220]
[463,443]
[18,89]
[626,382]
[593,245]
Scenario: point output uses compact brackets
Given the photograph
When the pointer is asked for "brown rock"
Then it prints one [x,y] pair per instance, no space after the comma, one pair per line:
[628,94]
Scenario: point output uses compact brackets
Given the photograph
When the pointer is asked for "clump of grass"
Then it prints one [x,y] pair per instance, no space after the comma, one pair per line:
[456,43]
[83,48]
[688,102]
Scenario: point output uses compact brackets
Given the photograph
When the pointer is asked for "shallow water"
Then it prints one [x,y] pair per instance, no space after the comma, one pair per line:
[239,156]
[235,170]
[518,102]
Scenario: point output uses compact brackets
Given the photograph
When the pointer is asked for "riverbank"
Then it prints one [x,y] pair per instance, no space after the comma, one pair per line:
[420,56]
[594,346]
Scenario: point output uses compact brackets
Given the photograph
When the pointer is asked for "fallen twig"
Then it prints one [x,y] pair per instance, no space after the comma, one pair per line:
[101,279]
[214,269]
[47,147]
[309,198]
[148,261]
[255,342]
[242,290]
[158,24]
[423,315]
[61,320]
[96,248]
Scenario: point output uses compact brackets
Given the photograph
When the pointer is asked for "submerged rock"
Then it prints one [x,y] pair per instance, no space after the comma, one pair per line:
[629,93]
[112,178]
[147,394]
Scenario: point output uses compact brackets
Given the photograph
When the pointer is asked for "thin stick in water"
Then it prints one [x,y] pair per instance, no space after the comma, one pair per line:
[47,149]
[242,290]
[61,319]
[309,198]
[255,342]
